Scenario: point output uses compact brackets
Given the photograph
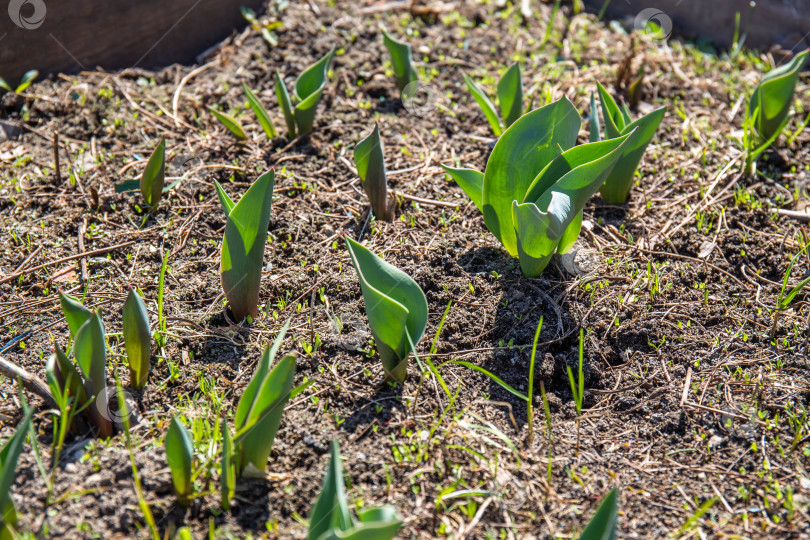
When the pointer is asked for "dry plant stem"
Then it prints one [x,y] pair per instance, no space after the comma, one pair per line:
[30,381]
[56,158]
[99,251]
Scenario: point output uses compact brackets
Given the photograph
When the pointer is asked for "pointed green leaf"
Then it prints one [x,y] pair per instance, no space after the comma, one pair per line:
[471,181]
[331,511]
[260,112]
[394,304]
[9,455]
[61,373]
[595,135]
[243,247]
[153,176]
[179,455]
[308,90]
[90,349]
[614,121]
[520,154]
[4,85]
[486,105]
[228,469]
[224,200]
[603,523]
[625,115]
[370,162]
[618,183]
[400,60]
[229,122]
[285,104]
[26,80]
[564,187]
[248,398]
[75,313]
[510,95]
[137,339]
[773,96]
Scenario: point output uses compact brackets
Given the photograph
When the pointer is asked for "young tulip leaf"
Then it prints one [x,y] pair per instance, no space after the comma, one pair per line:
[228,473]
[595,135]
[521,152]
[370,162]
[773,96]
[63,377]
[26,80]
[229,122]
[258,414]
[137,339]
[555,200]
[604,522]
[260,112]
[400,60]
[286,105]
[614,121]
[9,455]
[179,455]
[471,181]
[75,313]
[226,202]
[510,95]
[153,176]
[486,105]
[243,247]
[308,90]
[395,305]
[91,355]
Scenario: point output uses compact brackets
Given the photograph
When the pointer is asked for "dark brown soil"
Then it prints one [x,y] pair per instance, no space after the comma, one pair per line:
[688,401]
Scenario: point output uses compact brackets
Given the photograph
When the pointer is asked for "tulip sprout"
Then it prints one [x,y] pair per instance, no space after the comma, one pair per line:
[153,176]
[260,112]
[243,245]
[332,519]
[229,122]
[401,61]
[227,469]
[368,157]
[180,455]
[308,90]
[603,524]
[396,308]
[767,112]
[532,193]
[9,454]
[137,339]
[617,124]
[510,99]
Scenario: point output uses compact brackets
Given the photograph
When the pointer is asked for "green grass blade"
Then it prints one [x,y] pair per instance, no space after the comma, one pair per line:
[229,122]
[228,470]
[492,376]
[137,339]
[370,162]
[260,112]
[154,175]
[9,455]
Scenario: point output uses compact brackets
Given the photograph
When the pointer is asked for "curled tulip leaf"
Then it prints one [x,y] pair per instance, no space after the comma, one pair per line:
[400,60]
[75,313]
[602,525]
[618,123]
[62,377]
[90,349]
[308,90]
[229,122]
[487,107]
[771,100]
[510,99]
[154,175]
[396,308]
[137,339]
[243,247]
[370,162]
[179,455]
[471,181]
[285,103]
[258,414]
[261,113]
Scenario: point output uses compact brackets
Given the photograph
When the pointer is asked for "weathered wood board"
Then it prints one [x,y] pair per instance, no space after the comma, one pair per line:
[72,35]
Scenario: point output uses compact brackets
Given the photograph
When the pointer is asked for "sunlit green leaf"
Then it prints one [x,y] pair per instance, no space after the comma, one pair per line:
[229,122]
[370,162]
[179,455]
[260,112]
[137,339]
[154,175]
[401,61]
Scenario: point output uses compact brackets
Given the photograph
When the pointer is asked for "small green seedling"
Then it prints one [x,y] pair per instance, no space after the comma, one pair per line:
[401,61]
[25,82]
[536,183]
[233,125]
[180,456]
[618,123]
[260,112]
[784,300]
[243,245]
[308,90]
[227,481]
[578,386]
[767,112]
[368,157]
[137,339]
[258,414]
[9,455]
[153,176]
[603,524]
[396,307]
[90,349]
[331,518]
[510,99]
